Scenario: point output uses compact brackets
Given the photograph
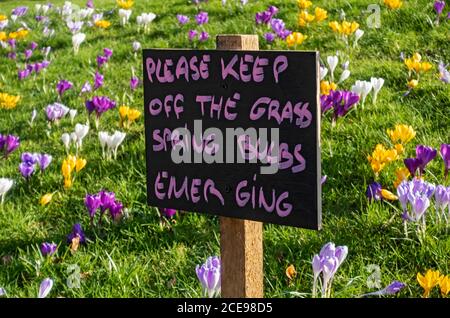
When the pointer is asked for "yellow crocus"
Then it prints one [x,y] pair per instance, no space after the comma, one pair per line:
[304,18]
[295,38]
[102,24]
[444,284]
[123,112]
[8,101]
[3,36]
[304,4]
[291,272]
[18,35]
[413,83]
[380,157]
[125,4]
[320,14]
[335,26]
[133,114]
[3,17]
[428,281]
[402,174]
[46,198]
[80,164]
[326,87]
[349,27]
[425,66]
[388,195]
[393,4]
[402,133]
[67,183]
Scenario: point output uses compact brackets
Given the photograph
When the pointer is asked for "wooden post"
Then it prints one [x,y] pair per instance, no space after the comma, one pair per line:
[241,241]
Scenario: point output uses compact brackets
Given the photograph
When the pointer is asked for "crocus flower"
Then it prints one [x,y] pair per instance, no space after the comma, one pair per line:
[428,281]
[425,154]
[65,138]
[80,131]
[46,199]
[107,199]
[445,154]
[2,292]
[92,203]
[358,34]
[169,213]
[99,105]
[62,86]
[136,46]
[203,36]
[45,288]
[56,111]
[373,191]
[124,16]
[77,39]
[202,18]
[74,26]
[112,142]
[48,249]
[269,37]
[401,133]
[77,233]
[327,263]
[101,60]
[442,197]
[182,19]
[145,19]
[8,143]
[439,6]
[332,63]
[90,4]
[19,11]
[291,272]
[5,185]
[392,289]
[192,34]
[209,275]
[412,164]
[86,87]
[43,160]
[26,170]
[444,74]
[98,80]
[377,84]
[116,210]
[134,82]
[362,88]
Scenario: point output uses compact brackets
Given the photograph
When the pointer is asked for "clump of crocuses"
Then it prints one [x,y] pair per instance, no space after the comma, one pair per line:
[209,275]
[340,102]
[99,105]
[55,112]
[29,162]
[424,155]
[327,263]
[8,143]
[48,249]
[103,201]
[104,59]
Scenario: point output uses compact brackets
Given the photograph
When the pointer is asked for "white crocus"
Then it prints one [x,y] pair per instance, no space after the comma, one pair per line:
[358,34]
[103,136]
[81,131]
[377,84]
[124,16]
[85,13]
[5,185]
[145,19]
[33,117]
[65,138]
[345,74]
[112,142]
[362,88]
[332,63]
[323,72]
[73,137]
[77,39]
[72,114]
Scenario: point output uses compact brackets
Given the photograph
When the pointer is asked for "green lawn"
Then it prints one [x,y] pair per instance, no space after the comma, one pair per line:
[140,258]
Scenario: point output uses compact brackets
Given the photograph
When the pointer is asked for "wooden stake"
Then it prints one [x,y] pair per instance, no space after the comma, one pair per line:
[241,241]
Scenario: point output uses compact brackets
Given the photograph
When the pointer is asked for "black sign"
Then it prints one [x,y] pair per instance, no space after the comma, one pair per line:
[234,133]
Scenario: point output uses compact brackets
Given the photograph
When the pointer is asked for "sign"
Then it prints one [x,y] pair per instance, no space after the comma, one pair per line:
[234,133]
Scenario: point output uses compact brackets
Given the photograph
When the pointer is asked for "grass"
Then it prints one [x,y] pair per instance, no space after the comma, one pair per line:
[140,258]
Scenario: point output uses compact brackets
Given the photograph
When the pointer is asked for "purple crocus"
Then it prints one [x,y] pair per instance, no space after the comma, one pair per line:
[55,112]
[439,6]
[134,82]
[182,19]
[269,37]
[115,210]
[62,86]
[92,203]
[12,55]
[266,16]
[278,26]
[19,11]
[107,52]
[192,34]
[8,143]
[43,160]
[99,104]
[169,213]
[48,249]
[101,60]
[90,4]
[425,154]
[98,80]
[202,18]
[12,43]
[444,74]
[33,46]
[86,88]
[107,200]
[28,54]
[22,74]
[442,197]
[209,275]
[392,289]
[26,169]
[445,154]
[77,232]
[412,164]
[45,288]
[373,192]
[203,36]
